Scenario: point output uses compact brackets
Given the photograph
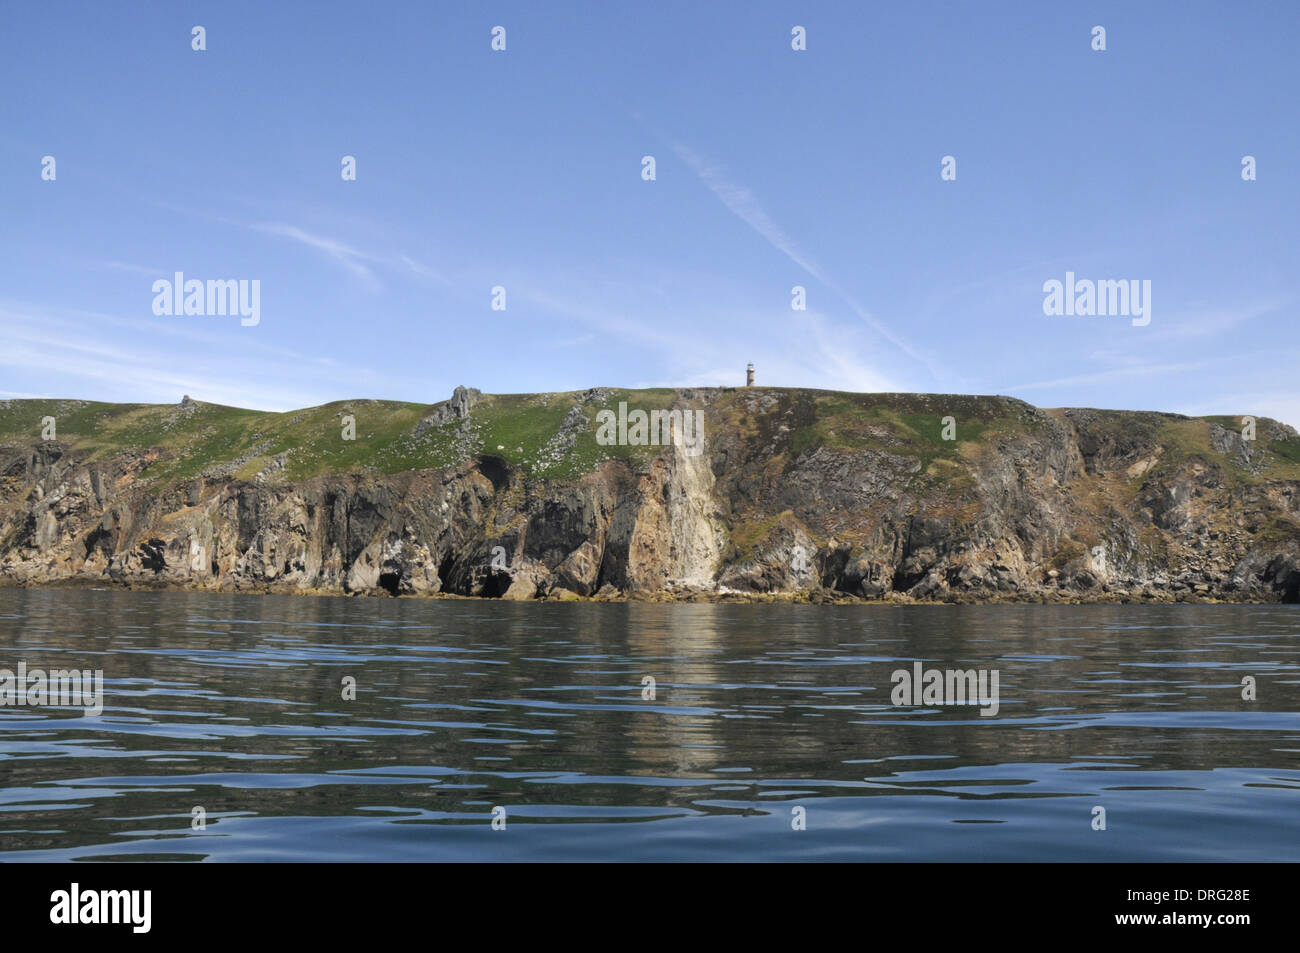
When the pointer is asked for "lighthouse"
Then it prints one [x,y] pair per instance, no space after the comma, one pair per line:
[749,375]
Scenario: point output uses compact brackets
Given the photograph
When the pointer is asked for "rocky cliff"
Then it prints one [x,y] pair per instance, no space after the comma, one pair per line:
[815,494]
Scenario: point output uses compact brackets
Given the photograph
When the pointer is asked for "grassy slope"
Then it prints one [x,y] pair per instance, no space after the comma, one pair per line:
[518,427]
[515,427]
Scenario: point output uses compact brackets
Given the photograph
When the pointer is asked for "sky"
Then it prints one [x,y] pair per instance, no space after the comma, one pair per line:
[522,169]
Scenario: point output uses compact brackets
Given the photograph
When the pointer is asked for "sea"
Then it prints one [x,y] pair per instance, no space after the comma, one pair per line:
[240,727]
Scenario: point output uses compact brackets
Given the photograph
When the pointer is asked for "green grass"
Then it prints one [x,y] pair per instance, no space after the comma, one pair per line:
[1277,531]
[746,535]
[907,423]
[1288,449]
[519,428]
[240,443]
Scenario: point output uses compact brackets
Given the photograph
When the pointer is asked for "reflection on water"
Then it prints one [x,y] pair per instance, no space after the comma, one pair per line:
[235,704]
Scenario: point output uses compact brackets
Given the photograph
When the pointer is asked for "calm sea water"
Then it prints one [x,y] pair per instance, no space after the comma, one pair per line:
[234,704]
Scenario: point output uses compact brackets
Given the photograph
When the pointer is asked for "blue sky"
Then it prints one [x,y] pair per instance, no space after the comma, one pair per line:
[775,168]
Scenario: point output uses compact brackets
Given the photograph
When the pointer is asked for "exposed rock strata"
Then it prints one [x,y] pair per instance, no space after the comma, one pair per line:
[1075,504]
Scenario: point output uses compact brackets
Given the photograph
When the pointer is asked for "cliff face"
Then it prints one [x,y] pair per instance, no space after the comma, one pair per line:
[792,491]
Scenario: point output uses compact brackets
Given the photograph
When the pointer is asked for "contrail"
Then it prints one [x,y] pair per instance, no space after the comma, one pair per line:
[744,206]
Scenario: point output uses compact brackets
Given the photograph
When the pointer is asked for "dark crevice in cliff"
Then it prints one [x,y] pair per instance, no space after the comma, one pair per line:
[496,470]
[1291,588]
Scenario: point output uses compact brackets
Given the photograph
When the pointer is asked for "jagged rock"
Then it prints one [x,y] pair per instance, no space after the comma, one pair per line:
[931,585]
[458,407]
[580,570]
[523,587]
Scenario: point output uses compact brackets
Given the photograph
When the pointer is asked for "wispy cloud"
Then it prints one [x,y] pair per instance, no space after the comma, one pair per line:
[744,206]
[130,268]
[421,269]
[1210,321]
[69,353]
[353,259]
[742,203]
[812,353]
[350,258]
[1282,406]
[21,395]
[1108,376]
[356,261]
[639,309]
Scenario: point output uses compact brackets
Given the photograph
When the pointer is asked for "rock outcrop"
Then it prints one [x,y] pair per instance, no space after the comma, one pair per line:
[794,493]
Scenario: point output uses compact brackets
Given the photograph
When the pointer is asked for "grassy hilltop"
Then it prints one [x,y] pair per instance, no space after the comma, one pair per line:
[518,428]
